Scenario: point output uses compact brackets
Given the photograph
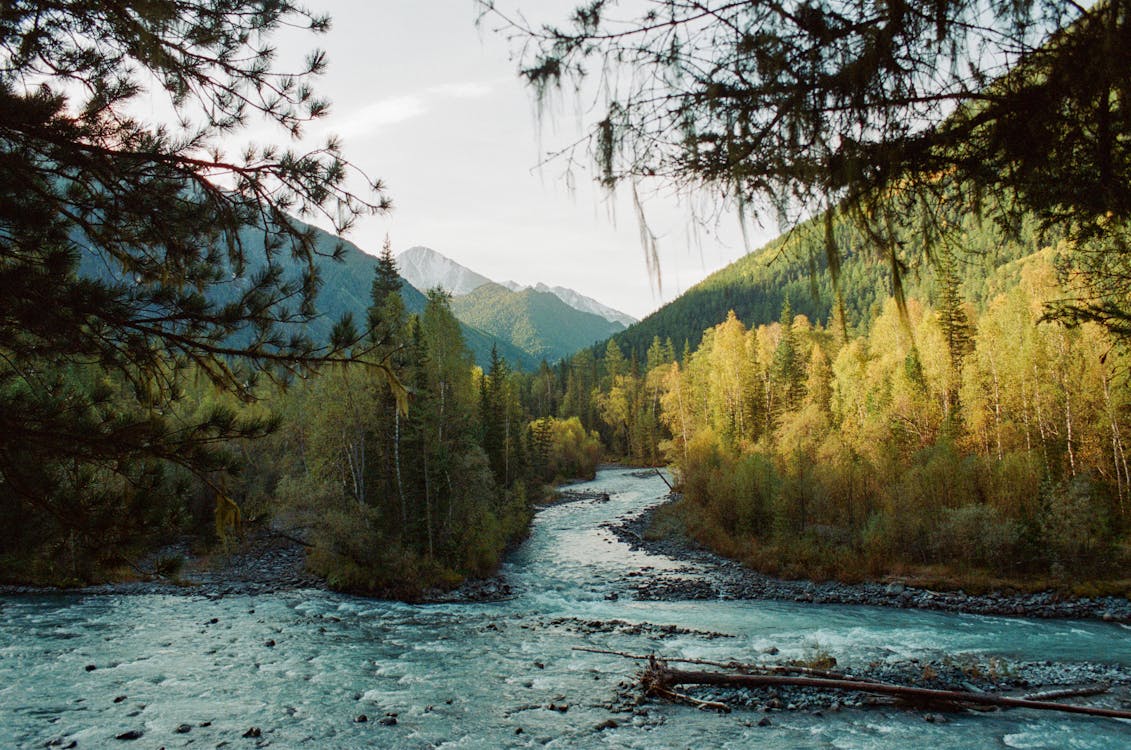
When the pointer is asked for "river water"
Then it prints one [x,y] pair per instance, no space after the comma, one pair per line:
[484,675]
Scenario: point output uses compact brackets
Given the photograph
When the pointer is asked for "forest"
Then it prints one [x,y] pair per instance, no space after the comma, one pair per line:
[404,468]
[927,372]
[963,437]
[959,439]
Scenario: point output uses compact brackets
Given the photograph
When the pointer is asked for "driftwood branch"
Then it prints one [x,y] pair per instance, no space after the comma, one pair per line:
[700,704]
[660,679]
[290,538]
[661,476]
[1076,692]
[741,667]
[660,676]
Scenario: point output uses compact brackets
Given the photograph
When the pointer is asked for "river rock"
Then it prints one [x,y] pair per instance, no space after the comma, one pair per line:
[132,734]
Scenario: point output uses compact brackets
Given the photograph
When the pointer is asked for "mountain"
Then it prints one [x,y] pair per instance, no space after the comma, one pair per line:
[795,267]
[426,269]
[544,322]
[579,301]
[346,288]
[537,322]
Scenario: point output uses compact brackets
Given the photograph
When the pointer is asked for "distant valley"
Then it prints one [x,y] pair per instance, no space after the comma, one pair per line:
[543,322]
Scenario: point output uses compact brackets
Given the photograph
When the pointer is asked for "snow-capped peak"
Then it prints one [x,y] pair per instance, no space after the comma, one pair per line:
[426,269]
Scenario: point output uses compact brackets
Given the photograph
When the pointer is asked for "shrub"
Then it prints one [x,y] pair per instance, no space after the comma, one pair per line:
[1074,522]
[978,535]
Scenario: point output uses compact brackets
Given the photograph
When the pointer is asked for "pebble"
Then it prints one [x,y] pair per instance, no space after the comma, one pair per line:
[183,729]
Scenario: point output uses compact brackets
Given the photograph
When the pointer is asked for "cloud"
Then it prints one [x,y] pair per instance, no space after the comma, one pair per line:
[470,90]
[397,109]
[379,114]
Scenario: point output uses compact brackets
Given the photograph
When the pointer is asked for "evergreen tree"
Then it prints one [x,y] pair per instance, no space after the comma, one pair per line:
[952,316]
[495,415]
[614,364]
[788,364]
[136,255]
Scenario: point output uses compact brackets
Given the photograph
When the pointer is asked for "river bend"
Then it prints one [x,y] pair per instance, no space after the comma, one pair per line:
[303,666]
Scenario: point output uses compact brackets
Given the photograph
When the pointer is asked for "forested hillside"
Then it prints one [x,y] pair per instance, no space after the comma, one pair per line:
[795,267]
[538,323]
[345,273]
[962,439]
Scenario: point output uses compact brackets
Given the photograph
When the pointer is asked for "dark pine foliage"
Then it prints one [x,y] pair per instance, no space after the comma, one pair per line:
[156,215]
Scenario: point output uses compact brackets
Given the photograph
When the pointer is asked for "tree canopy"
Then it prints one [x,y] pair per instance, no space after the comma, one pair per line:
[884,110]
[133,250]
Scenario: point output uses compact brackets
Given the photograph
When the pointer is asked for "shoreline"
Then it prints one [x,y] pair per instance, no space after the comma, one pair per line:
[268,563]
[729,579]
[264,563]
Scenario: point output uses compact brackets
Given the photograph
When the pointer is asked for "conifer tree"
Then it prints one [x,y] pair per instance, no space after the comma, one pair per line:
[495,415]
[952,316]
[788,364]
[137,251]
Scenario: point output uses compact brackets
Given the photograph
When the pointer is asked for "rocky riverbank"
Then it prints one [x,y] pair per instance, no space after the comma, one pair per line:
[727,579]
[264,562]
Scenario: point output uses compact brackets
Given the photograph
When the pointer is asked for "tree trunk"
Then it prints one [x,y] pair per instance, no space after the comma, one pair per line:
[661,678]
[397,466]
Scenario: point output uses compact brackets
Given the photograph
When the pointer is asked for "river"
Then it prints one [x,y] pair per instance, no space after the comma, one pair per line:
[303,666]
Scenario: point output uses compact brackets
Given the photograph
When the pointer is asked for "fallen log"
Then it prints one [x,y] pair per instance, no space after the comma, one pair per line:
[744,668]
[1075,692]
[659,679]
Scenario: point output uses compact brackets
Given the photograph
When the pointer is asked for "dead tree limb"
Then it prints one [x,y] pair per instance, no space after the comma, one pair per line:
[661,476]
[290,538]
[659,677]
[700,704]
[744,668]
[1076,692]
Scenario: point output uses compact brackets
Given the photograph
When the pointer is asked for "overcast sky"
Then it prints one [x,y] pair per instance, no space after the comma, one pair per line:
[429,103]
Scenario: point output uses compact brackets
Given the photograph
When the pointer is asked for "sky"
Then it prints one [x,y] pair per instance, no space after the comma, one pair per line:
[431,105]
